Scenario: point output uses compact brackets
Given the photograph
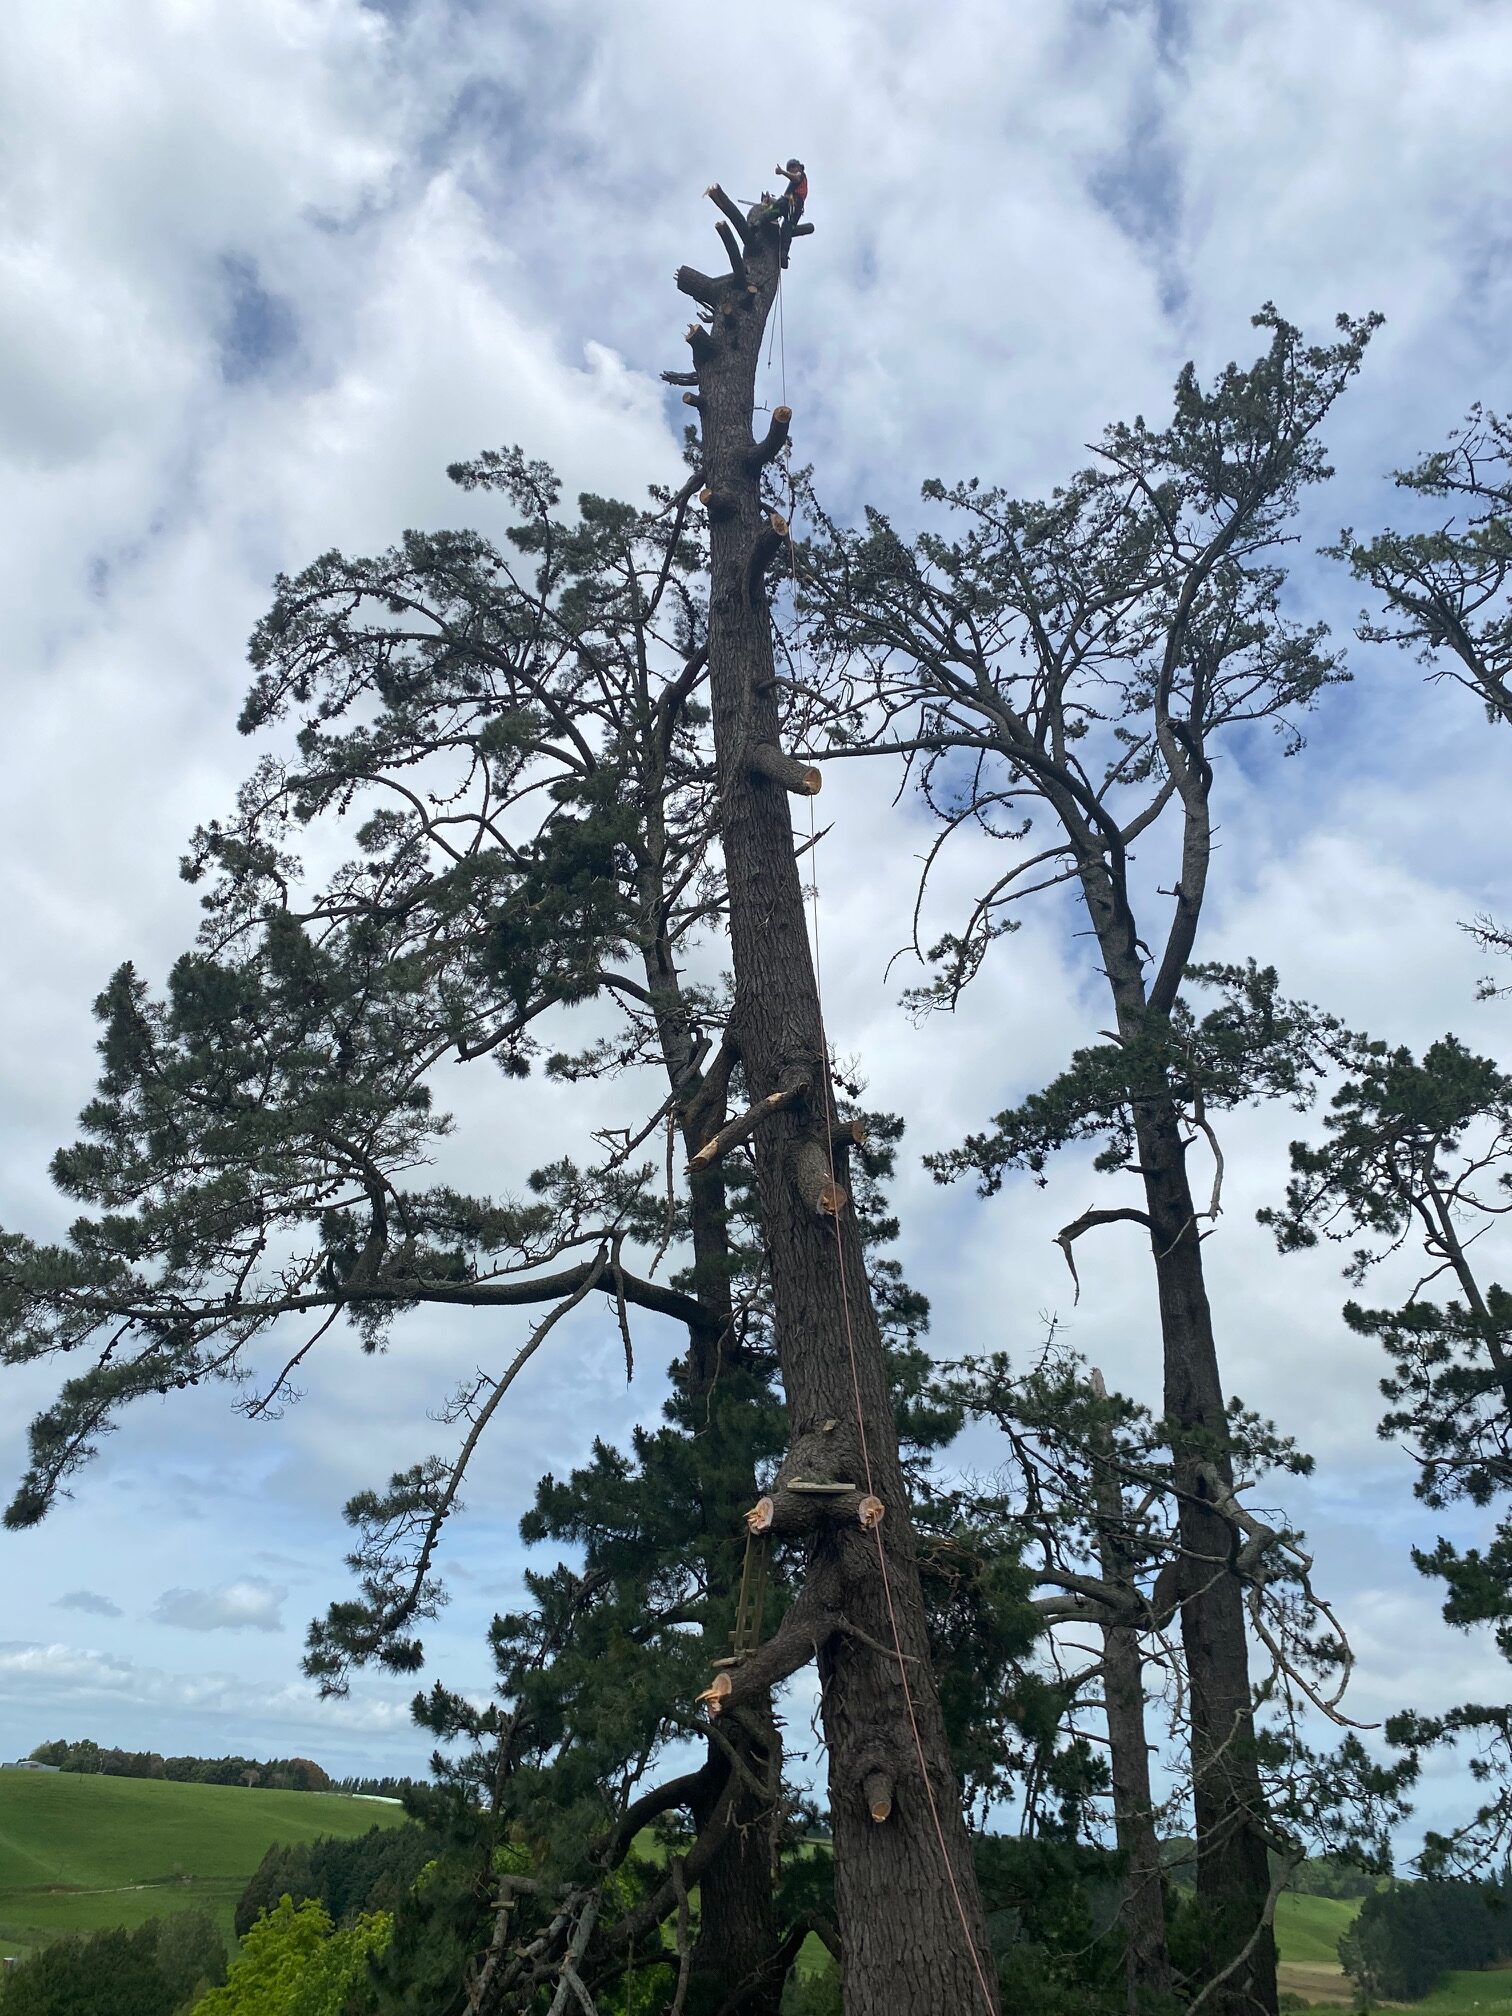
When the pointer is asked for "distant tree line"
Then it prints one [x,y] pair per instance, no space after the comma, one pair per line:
[278,1774]
[1406,1936]
[347,1878]
[162,1967]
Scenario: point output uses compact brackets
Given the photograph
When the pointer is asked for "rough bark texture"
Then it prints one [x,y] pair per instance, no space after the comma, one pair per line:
[905,1947]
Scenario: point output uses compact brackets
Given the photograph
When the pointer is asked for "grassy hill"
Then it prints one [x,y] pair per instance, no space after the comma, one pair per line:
[1308,1930]
[80,1853]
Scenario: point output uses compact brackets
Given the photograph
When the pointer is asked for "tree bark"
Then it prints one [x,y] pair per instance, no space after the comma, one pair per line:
[1233,1861]
[1147,1958]
[739,1937]
[911,1925]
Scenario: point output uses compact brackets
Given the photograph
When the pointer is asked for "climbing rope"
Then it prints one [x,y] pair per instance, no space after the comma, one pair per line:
[988,2000]
[850,1344]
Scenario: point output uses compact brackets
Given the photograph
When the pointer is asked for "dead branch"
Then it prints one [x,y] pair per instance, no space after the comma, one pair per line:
[1088,1220]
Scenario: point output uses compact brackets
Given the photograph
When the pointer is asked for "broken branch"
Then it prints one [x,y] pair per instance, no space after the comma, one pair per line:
[744,1124]
[728,239]
[737,223]
[1068,1234]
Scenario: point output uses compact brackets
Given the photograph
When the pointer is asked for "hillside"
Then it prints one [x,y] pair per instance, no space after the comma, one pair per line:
[1308,1930]
[78,1853]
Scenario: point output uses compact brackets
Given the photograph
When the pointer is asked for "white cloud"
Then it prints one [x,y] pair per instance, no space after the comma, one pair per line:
[250,1604]
[141,1702]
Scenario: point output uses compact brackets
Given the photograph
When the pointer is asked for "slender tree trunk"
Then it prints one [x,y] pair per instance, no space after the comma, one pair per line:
[738,1931]
[911,1925]
[1147,1961]
[1233,1863]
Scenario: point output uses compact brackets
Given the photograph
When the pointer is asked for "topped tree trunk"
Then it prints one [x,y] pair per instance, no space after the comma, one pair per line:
[910,1917]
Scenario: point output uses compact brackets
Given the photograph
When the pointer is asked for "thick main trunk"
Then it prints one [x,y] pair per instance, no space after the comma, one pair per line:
[910,1918]
[738,1934]
[1233,1864]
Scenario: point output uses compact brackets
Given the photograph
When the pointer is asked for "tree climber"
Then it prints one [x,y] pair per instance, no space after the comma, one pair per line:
[788,207]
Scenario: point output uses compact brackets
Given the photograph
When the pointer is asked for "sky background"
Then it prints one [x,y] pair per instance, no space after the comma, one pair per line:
[266,271]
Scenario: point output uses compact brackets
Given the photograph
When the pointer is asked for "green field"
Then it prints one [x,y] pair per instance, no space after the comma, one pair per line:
[1307,1935]
[80,1853]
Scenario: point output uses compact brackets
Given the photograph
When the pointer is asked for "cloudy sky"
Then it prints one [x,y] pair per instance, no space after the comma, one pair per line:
[267,270]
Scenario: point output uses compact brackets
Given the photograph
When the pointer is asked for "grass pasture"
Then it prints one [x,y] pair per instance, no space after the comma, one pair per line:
[79,1853]
[1307,1942]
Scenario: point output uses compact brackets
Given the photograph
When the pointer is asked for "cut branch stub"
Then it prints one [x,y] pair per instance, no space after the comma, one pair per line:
[805,1505]
[698,286]
[802,779]
[849,1134]
[768,544]
[775,438]
[877,1789]
[871,1512]
[713,1696]
[718,503]
[816,1186]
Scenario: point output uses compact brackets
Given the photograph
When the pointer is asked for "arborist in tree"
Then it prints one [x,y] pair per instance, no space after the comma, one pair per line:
[788,207]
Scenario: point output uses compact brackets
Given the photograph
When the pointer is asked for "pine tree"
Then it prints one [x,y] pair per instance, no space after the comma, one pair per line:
[1076,660]
[248,1155]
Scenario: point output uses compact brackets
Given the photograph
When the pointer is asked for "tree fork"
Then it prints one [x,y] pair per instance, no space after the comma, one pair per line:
[911,1923]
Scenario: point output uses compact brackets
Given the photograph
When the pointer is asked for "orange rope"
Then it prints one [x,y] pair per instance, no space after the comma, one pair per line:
[988,1999]
[989,2002]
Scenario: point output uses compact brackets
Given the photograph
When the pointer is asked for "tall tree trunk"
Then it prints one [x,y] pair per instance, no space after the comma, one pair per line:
[1233,1862]
[738,1932]
[1147,1958]
[911,1926]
